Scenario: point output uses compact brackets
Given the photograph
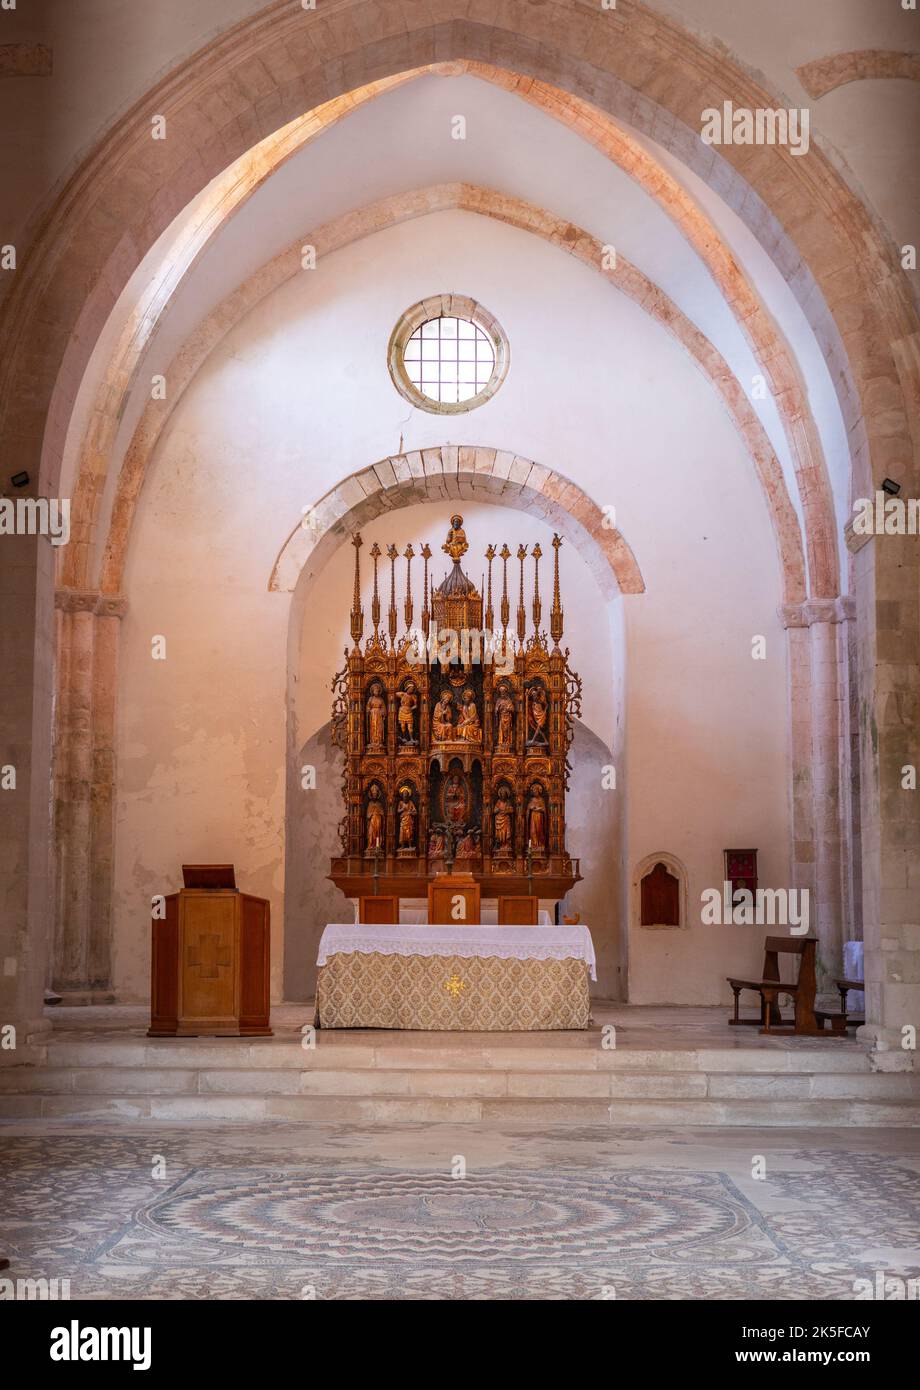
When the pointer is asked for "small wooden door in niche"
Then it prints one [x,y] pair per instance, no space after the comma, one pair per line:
[660,898]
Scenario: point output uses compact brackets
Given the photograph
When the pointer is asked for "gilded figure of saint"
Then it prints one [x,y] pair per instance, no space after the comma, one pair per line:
[537,712]
[504,718]
[375,816]
[455,800]
[467,847]
[468,726]
[503,821]
[536,820]
[408,704]
[406,815]
[376,710]
[442,718]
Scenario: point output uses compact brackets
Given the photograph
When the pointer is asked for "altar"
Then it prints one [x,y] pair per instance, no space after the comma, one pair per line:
[469,978]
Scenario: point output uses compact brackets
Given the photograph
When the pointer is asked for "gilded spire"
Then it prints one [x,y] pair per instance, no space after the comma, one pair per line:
[357,612]
[522,611]
[556,615]
[392,552]
[375,601]
[409,553]
[490,615]
[505,555]
[426,609]
[537,605]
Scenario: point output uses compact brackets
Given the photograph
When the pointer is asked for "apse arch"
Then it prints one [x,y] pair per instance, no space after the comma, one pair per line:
[768,345]
[489,203]
[633,51]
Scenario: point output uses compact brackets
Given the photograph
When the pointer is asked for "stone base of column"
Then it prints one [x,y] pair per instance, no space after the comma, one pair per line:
[80,998]
[888,1052]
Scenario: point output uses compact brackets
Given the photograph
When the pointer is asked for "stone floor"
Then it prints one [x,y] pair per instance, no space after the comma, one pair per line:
[637,1027]
[196,1210]
[284,1211]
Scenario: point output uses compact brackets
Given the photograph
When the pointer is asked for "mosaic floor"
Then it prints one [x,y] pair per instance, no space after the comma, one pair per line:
[332,1212]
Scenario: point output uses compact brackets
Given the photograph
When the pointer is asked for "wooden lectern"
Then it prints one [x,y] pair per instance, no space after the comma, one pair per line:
[453,900]
[210,961]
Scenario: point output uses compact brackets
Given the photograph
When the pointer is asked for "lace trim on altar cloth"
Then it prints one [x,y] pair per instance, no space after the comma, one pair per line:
[503,943]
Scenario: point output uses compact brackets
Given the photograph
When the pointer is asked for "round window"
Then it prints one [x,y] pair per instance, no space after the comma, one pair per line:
[448,354]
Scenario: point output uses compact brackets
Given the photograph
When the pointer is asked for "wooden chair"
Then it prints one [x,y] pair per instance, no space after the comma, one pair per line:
[518,911]
[771,986]
[378,908]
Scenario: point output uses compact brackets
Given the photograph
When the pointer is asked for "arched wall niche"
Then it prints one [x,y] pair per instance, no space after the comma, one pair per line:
[317,636]
[678,870]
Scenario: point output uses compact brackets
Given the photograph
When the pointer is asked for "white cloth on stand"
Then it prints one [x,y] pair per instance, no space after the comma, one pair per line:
[853,970]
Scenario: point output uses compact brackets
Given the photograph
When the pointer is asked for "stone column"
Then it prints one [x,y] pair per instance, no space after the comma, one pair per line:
[26,665]
[886,582]
[818,649]
[84,794]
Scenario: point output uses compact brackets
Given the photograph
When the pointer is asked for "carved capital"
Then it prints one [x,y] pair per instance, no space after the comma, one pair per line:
[91,601]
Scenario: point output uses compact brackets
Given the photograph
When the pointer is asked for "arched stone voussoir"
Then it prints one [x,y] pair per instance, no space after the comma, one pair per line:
[470,473]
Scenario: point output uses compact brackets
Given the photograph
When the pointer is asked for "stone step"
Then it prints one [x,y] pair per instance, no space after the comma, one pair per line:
[507,1110]
[482,1082]
[831,1056]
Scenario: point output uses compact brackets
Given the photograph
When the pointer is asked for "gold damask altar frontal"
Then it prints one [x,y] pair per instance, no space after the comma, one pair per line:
[481,994]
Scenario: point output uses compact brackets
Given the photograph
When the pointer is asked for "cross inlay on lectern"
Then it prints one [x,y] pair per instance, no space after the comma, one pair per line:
[208,954]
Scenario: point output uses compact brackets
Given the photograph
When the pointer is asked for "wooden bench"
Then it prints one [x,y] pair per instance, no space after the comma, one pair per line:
[771,986]
[840,1022]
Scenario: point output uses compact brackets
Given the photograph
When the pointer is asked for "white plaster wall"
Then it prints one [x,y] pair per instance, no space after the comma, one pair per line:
[297,398]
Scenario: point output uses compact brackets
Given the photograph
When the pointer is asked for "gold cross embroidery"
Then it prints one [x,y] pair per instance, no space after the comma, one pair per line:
[455,986]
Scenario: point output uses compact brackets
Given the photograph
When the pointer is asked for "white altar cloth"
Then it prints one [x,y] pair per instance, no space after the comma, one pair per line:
[468,940]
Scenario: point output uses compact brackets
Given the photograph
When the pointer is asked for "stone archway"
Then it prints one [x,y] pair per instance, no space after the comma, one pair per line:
[469,472]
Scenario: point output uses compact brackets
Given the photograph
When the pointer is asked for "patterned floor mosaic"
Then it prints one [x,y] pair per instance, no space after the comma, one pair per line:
[261,1222]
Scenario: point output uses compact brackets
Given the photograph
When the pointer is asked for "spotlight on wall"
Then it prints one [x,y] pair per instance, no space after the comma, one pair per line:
[20,480]
[891,487]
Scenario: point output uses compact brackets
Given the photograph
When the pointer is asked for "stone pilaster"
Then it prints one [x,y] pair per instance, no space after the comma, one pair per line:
[886,582]
[84,766]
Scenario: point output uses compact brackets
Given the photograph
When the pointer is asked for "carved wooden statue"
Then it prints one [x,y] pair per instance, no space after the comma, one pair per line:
[376,717]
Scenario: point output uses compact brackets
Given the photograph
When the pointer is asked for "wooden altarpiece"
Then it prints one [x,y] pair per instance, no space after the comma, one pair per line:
[455,733]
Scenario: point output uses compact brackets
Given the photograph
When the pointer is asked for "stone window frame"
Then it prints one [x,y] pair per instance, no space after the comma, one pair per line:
[447,306]
[674,866]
